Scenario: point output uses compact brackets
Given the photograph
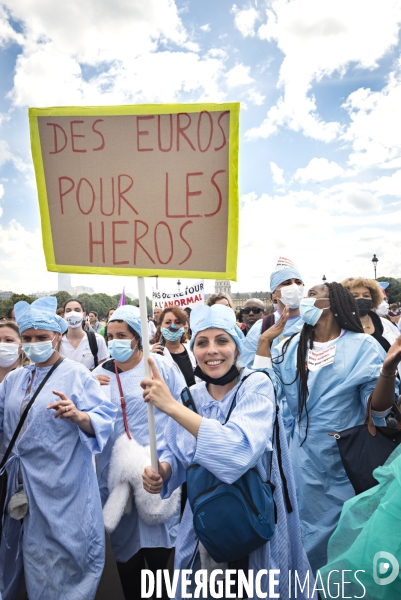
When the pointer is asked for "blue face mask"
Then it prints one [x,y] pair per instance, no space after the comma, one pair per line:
[172,334]
[38,352]
[309,312]
[121,350]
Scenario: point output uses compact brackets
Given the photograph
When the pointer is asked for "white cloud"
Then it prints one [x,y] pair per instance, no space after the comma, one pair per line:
[362,200]
[245,20]
[205,27]
[238,75]
[277,174]
[7,156]
[320,38]
[319,169]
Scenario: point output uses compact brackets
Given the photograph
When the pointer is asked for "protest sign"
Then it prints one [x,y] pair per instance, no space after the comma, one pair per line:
[138,190]
[193,295]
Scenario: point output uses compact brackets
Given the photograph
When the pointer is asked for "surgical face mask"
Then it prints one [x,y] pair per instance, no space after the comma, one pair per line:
[292,295]
[74,319]
[309,312]
[8,354]
[382,309]
[172,334]
[39,352]
[121,350]
[364,306]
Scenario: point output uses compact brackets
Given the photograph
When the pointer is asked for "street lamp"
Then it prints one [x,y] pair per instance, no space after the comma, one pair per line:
[375,260]
[324,278]
[178,285]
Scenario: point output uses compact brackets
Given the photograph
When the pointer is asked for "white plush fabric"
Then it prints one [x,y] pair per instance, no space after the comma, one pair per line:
[128,460]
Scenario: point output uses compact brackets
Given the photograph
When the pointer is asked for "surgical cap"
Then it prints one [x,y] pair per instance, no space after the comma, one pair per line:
[129,314]
[281,275]
[41,314]
[217,316]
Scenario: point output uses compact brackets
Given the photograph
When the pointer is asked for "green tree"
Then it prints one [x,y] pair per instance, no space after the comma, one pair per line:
[62,298]
[394,289]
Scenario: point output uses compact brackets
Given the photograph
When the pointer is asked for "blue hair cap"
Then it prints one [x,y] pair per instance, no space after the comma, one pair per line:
[41,314]
[217,316]
[129,314]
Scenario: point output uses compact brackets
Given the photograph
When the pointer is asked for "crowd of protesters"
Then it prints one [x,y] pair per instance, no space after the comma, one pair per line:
[266,387]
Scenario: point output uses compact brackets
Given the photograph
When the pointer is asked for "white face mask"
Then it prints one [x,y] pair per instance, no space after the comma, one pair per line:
[382,309]
[74,318]
[292,295]
[8,354]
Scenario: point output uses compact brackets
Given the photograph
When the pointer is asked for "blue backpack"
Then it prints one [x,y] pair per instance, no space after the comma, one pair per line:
[233,520]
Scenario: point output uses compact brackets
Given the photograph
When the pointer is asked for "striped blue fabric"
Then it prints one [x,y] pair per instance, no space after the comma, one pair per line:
[229,451]
[132,533]
[61,544]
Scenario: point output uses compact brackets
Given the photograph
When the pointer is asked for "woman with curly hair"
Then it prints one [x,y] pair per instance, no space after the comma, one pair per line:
[327,374]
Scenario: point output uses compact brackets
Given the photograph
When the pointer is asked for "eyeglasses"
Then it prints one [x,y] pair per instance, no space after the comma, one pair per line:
[255,311]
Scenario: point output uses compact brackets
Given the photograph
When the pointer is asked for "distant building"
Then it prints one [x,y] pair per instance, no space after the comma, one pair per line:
[5,295]
[239,298]
[80,289]
[43,294]
[64,282]
[222,287]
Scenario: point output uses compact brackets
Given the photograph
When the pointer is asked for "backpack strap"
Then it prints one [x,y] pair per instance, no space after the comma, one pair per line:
[276,434]
[93,346]
[267,322]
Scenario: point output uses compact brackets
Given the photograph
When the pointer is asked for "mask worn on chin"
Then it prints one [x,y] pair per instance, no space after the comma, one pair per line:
[39,352]
[172,334]
[364,306]
[309,312]
[382,309]
[74,319]
[292,295]
[223,380]
[121,350]
[8,354]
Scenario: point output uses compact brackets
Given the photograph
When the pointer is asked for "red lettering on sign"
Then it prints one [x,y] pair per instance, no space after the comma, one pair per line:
[102,145]
[219,194]
[226,112]
[122,192]
[164,262]
[139,237]
[92,242]
[60,190]
[159,137]
[55,128]
[205,112]
[143,132]
[185,241]
[116,242]
[78,196]
[102,210]
[75,135]
[189,193]
[166,203]
[181,129]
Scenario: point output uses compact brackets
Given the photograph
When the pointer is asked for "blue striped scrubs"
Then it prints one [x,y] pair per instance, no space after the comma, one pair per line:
[132,534]
[228,452]
[60,544]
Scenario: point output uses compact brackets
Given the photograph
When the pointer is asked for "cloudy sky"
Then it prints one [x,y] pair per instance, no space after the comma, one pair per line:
[319,83]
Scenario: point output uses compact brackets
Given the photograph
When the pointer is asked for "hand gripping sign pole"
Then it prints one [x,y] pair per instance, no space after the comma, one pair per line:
[146,355]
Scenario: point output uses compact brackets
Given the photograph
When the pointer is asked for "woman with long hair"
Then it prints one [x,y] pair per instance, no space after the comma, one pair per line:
[11,356]
[327,373]
[171,341]
[228,450]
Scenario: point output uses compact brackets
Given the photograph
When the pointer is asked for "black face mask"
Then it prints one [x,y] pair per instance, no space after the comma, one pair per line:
[227,378]
[364,306]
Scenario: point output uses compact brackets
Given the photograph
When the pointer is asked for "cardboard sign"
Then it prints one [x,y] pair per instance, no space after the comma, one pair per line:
[193,295]
[317,359]
[139,190]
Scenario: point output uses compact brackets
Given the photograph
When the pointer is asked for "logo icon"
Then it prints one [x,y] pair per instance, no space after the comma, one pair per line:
[200,515]
[382,573]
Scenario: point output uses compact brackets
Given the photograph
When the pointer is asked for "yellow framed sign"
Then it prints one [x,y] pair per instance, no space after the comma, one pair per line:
[138,190]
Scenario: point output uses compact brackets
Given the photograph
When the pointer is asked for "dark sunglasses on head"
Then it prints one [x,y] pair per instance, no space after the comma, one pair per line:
[255,311]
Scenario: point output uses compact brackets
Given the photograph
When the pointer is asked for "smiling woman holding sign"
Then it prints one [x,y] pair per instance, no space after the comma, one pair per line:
[327,373]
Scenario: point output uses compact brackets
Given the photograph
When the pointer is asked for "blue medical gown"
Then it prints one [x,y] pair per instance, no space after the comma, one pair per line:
[60,544]
[228,452]
[293,325]
[338,395]
[132,534]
